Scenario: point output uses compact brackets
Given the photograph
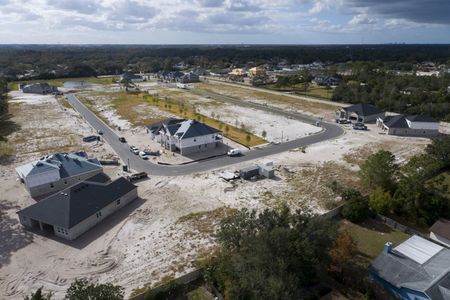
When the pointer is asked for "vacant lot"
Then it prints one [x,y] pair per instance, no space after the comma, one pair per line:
[312,89]
[316,108]
[60,81]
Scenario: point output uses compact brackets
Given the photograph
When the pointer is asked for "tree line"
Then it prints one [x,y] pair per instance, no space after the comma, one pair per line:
[78,61]
[4,116]
[414,191]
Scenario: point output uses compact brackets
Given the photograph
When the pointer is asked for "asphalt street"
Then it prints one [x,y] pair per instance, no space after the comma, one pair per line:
[330,131]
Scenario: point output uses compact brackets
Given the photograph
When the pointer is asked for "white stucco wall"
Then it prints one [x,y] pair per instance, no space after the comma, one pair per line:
[423,125]
[200,140]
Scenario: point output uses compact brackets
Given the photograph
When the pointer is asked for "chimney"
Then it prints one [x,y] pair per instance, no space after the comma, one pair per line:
[387,247]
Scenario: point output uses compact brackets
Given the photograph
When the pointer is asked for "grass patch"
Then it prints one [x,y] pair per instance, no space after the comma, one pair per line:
[371,236]
[6,150]
[204,222]
[59,82]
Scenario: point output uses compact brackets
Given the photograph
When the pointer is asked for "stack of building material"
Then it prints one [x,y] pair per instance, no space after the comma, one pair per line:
[249,172]
[266,170]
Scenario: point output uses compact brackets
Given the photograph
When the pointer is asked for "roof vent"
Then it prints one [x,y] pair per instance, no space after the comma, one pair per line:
[387,247]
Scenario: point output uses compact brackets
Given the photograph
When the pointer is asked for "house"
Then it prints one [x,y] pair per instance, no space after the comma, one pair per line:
[326,80]
[38,88]
[53,173]
[130,77]
[440,232]
[361,112]
[77,209]
[189,136]
[415,269]
[188,78]
[237,72]
[414,125]
[257,71]
[154,129]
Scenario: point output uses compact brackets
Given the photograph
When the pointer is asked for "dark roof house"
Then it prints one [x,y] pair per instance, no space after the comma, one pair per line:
[412,125]
[68,210]
[440,232]
[361,112]
[415,269]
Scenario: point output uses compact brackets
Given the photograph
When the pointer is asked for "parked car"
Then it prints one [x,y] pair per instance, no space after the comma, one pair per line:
[134,149]
[152,153]
[143,155]
[100,132]
[342,121]
[122,139]
[91,138]
[137,176]
[234,152]
[359,126]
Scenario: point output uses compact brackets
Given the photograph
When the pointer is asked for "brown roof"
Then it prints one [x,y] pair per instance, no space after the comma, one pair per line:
[442,228]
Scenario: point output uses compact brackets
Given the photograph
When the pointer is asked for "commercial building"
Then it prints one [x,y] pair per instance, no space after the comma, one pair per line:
[415,269]
[415,125]
[75,210]
[53,173]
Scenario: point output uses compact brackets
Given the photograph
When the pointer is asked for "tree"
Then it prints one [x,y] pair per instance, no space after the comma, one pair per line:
[83,289]
[439,150]
[342,252]
[379,170]
[380,201]
[264,134]
[38,295]
[356,207]
[270,255]
[248,138]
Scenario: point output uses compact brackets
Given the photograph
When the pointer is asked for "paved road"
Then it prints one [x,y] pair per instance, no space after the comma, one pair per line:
[122,149]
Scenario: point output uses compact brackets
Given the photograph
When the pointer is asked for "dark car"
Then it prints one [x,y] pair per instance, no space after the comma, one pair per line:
[91,138]
[342,121]
[137,176]
[100,132]
[359,126]
[122,139]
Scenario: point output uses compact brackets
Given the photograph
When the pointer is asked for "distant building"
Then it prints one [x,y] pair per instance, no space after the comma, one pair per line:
[440,232]
[38,88]
[237,72]
[188,136]
[257,71]
[361,112]
[415,125]
[76,209]
[188,78]
[415,269]
[130,77]
[326,80]
[53,173]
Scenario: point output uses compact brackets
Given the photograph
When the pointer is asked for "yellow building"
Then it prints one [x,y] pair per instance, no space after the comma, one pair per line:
[257,71]
[237,72]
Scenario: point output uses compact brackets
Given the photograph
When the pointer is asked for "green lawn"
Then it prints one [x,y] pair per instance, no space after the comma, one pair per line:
[371,236]
[313,90]
[60,81]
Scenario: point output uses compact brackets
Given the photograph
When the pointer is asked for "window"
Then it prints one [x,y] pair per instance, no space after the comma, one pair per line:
[65,181]
[118,201]
[57,229]
[195,140]
[206,145]
[51,185]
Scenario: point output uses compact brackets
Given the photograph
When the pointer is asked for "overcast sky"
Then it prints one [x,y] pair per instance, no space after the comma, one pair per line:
[224,21]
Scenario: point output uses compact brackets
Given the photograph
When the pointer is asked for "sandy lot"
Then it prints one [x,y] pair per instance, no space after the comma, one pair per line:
[172,223]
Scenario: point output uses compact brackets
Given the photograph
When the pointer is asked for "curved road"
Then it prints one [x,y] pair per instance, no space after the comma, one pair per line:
[123,151]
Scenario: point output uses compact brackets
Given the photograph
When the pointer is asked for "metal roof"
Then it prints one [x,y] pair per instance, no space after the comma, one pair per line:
[418,249]
[74,204]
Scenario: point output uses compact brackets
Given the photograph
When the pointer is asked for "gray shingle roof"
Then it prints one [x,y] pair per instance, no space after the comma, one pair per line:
[74,204]
[442,228]
[421,118]
[69,164]
[398,121]
[156,127]
[363,109]
[198,129]
[431,277]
